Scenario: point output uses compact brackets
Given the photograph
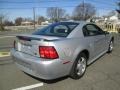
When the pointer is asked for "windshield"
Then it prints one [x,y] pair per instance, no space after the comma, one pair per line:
[61,29]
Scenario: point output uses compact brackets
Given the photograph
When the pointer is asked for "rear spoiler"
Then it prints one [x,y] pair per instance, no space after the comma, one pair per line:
[29,38]
[26,38]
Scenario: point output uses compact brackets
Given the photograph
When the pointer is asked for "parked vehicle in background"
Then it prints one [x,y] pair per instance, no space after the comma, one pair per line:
[60,49]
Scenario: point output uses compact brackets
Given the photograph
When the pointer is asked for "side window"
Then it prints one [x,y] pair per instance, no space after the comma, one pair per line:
[91,30]
[85,31]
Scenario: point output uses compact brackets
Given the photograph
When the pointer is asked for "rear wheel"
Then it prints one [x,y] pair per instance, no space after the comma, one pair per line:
[79,66]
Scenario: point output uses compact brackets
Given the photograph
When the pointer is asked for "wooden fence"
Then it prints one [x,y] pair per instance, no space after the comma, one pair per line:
[110,26]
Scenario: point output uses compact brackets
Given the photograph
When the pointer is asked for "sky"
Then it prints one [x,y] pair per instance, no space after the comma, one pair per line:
[24,8]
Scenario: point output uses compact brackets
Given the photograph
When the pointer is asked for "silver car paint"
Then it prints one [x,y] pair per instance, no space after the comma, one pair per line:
[67,48]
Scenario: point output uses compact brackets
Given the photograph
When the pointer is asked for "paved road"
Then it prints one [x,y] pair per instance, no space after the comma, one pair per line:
[7,38]
[12,32]
[104,74]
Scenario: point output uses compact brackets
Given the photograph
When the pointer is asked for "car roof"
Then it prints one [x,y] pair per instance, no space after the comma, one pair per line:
[80,22]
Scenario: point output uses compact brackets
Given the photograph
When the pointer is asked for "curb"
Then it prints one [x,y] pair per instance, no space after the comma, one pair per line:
[4,54]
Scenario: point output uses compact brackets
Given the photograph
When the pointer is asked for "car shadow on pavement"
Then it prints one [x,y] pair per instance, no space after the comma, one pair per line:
[48,81]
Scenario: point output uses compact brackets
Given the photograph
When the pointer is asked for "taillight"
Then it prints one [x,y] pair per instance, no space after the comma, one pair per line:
[48,52]
[14,44]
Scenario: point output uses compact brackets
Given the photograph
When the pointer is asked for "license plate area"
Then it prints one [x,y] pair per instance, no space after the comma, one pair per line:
[25,46]
[25,43]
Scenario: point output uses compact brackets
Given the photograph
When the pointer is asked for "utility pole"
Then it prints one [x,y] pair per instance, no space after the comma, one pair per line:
[57,14]
[34,17]
[83,10]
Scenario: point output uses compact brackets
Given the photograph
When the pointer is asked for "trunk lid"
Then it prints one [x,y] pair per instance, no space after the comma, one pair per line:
[29,44]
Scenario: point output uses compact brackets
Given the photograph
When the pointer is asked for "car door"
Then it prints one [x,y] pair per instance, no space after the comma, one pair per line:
[97,38]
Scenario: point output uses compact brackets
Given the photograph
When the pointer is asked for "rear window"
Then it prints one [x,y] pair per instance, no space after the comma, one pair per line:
[61,29]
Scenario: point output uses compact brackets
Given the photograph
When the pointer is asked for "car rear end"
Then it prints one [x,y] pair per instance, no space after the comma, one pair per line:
[37,57]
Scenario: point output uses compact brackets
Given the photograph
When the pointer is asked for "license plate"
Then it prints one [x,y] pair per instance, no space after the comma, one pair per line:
[25,43]
[25,47]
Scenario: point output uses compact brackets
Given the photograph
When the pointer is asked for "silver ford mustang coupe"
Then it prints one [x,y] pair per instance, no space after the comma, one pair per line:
[61,49]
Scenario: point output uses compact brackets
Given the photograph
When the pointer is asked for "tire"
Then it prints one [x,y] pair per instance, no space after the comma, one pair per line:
[79,66]
[111,46]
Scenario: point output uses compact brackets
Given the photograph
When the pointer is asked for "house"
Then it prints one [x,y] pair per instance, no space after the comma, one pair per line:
[45,23]
[115,16]
[118,14]
[26,23]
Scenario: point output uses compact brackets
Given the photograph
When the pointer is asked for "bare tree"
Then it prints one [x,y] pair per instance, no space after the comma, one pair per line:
[27,19]
[2,19]
[18,21]
[84,11]
[111,13]
[118,4]
[67,17]
[41,19]
[55,13]
[118,10]
[8,23]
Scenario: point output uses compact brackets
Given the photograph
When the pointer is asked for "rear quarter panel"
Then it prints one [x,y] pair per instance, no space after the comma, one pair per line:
[69,48]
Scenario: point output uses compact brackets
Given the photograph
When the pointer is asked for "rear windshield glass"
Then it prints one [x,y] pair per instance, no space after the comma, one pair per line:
[61,29]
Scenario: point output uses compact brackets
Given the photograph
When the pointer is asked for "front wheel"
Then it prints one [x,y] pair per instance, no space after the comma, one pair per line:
[79,66]
[111,46]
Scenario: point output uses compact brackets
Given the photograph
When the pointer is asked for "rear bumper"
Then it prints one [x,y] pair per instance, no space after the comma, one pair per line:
[40,68]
